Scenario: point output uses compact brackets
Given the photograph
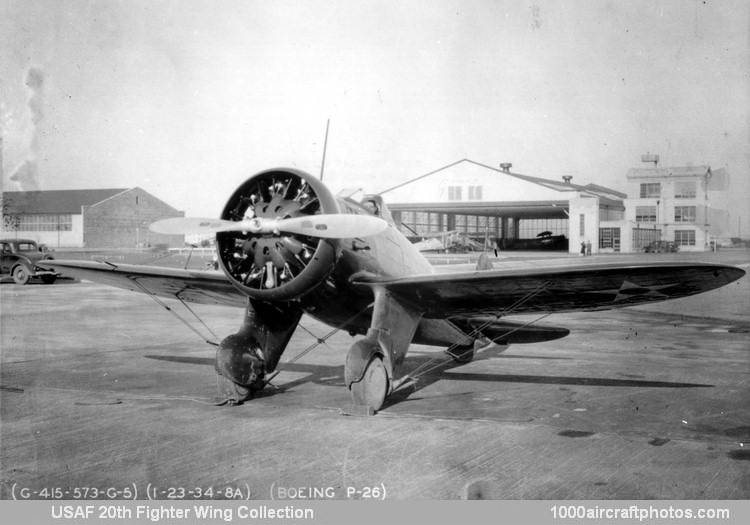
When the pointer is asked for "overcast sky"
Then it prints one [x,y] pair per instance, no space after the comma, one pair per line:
[186,99]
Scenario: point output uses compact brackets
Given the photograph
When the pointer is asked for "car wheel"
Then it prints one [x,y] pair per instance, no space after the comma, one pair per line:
[49,279]
[21,275]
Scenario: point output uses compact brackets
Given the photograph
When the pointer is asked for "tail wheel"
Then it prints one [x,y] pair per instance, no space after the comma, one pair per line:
[372,389]
[21,275]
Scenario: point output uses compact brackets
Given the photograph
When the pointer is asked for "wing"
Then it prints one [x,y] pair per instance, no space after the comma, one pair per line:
[193,286]
[582,287]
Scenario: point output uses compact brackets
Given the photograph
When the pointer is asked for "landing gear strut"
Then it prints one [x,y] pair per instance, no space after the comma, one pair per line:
[372,362]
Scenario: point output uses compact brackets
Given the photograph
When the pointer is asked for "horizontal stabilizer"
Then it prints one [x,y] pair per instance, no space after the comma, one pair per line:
[510,332]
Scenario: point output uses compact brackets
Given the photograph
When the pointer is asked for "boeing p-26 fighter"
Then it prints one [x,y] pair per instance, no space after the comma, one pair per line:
[288,246]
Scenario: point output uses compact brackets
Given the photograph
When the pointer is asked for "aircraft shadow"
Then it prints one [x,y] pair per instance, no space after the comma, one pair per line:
[334,376]
[489,355]
[317,374]
[62,280]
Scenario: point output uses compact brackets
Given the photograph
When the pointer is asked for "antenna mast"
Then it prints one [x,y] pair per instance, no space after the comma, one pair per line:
[325,146]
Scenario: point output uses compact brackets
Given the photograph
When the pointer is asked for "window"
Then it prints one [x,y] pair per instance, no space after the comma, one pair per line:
[530,228]
[684,190]
[643,237]
[608,214]
[684,214]
[609,238]
[684,237]
[582,225]
[46,223]
[650,190]
[454,193]
[475,193]
[460,223]
[420,222]
[645,214]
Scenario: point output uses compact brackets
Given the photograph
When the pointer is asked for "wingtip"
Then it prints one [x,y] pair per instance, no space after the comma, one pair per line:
[733,273]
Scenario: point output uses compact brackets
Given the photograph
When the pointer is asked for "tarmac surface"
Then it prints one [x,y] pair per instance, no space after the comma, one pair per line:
[104,394]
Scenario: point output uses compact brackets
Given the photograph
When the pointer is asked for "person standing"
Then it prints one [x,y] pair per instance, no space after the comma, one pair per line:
[583,249]
[588,248]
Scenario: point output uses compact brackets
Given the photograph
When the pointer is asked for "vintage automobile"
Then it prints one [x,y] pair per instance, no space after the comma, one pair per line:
[19,258]
[661,247]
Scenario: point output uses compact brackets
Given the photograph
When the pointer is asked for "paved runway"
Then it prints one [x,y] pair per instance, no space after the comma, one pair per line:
[102,389]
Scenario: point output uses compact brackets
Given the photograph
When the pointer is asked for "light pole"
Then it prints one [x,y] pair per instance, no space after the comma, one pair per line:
[661,230]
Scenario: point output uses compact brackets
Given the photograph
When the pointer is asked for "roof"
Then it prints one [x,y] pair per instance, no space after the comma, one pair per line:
[58,201]
[663,173]
[606,192]
[561,186]
[592,189]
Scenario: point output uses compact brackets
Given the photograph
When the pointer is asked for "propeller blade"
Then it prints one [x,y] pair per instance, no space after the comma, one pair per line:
[330,226]
[183,225]
[333,226]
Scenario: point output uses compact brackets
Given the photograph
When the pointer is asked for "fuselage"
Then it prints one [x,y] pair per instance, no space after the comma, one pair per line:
[387,254]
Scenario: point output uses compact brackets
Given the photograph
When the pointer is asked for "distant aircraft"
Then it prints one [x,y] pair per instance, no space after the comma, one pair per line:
[288,246]
[450,241]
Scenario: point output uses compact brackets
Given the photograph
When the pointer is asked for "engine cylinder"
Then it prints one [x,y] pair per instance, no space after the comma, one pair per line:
[277,266]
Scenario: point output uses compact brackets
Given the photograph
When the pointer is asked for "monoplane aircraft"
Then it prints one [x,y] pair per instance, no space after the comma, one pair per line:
[287,246]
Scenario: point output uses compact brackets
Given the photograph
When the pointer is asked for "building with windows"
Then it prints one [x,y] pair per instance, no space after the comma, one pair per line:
[684,205]
[106,218]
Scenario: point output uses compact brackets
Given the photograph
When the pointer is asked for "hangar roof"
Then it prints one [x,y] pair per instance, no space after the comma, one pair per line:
[559,186]
[593,189]
[58,201]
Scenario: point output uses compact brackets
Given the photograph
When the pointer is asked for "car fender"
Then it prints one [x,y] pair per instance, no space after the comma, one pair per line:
[25,263]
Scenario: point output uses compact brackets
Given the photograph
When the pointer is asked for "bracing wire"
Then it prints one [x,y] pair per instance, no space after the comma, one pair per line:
[317,343]
[175,314]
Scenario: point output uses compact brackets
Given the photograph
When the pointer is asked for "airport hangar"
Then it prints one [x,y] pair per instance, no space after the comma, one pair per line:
[102,218]
[679,204]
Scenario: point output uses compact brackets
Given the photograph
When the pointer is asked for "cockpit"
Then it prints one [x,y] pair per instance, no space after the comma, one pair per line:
[372,204]
[377,206]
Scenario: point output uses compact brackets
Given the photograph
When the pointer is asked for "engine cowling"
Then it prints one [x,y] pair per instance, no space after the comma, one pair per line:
[277,266]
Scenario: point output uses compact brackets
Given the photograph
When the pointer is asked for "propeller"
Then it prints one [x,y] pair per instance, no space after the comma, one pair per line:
[328,226]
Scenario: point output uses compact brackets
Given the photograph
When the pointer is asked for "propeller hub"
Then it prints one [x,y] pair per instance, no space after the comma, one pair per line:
[256,225]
